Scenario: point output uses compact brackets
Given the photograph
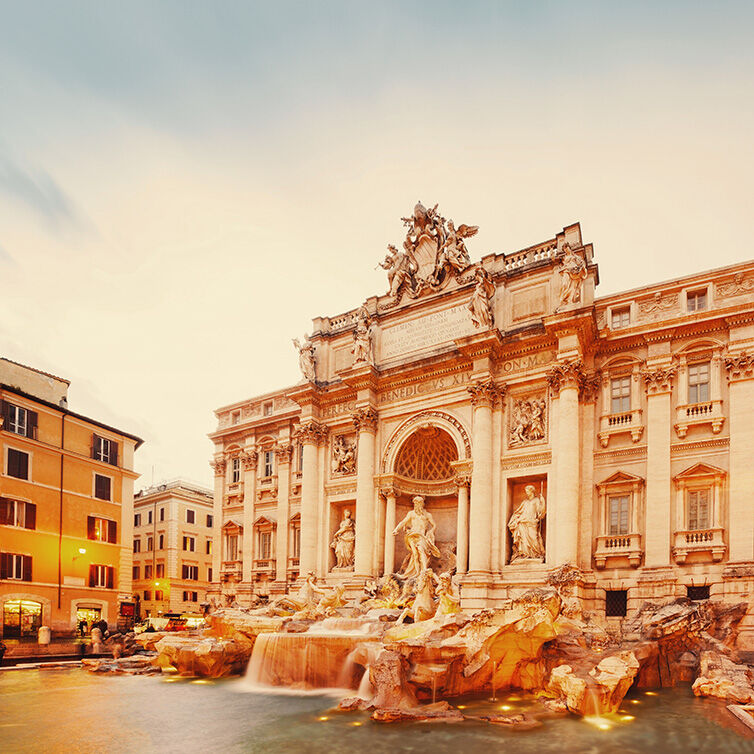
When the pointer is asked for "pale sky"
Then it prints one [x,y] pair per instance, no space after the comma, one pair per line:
[184,185]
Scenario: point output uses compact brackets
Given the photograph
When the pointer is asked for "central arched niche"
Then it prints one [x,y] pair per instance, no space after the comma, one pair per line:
[424,465]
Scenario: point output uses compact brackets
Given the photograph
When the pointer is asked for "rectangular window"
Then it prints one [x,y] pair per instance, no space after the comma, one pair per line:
[209,547]
[101,576]
[620,395]
[158,595]
[209,522]
[297,542]
[135,573]
[19,420]
[102,487]
[696,301]
[18,464]
[190,572]
[190,516]
[619,514]
[299,457]
[697,593]
[698,509]
[149,517]
[18,513]
[235,470]
[209,574]
[147,571]
[150,544]
[699,382]
[160,571]
[189,544]
[231,550]
[265,544]
[16,567]
[616,603]
[162,514]
[620,318]
[268,460]
[137,519]
[101,529]
[137,545]
[104,450]
[161,541]
[147,595]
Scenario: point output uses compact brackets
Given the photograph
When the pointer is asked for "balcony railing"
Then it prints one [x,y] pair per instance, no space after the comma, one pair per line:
[263,564]
[626,421]
[708,541]
[690,414]
[610,546]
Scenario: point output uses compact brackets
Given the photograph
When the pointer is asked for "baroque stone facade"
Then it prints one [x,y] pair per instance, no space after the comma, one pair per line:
[542,426]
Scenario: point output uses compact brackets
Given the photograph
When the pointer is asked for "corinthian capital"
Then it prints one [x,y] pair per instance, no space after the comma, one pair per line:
[218,464]
[284,453]
[659,380]
[311,432]
[740,366]
[365,419]
[590,386]
[249,459]
[485,393]
[565,374]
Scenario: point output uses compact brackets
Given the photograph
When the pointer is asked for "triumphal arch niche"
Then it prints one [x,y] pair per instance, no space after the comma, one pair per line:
[485,416]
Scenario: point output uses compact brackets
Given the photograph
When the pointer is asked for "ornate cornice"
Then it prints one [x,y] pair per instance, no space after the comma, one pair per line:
[365,419]
[659,380]
[485,393]
[522,461]
[311,432]
[218,464]
[740,366]
[284,453]
[249,459]
[566,374]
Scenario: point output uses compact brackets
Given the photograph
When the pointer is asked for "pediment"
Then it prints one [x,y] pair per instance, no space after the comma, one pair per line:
[621,477]
[232,525]
[700,469]
[266,518]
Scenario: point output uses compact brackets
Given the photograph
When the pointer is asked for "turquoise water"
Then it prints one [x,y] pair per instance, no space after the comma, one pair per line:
[75,711]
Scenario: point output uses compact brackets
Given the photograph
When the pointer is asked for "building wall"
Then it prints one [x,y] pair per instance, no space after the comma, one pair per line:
[61,485]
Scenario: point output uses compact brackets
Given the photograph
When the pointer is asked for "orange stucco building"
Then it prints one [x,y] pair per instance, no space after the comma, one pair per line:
[66,509]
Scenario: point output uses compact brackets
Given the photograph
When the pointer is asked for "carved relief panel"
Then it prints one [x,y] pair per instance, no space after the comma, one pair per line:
[527,420]
[343,455]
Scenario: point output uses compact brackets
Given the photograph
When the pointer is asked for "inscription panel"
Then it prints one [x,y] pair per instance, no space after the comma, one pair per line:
[426,331]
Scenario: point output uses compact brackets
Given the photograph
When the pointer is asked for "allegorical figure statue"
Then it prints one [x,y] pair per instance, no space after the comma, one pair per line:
[343,456]
[400,270]
[448,599]
[343,542]
[306,359]
[419,537]
[572,275]
[362,339]
[524,526]
[480,304]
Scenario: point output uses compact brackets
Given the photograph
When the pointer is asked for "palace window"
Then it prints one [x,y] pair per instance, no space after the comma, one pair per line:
[190,596]
[235,470]
[135,573]
[102,487]
[147,571]
[101,576]
[699,379]
[208,547]
[137,519]
[620,395]
[209,574]
[16,567]
[158,595]
[161,542]
[19,420]
[18,513]
[150,544]
[147,595]
[189,544]
[102,530]
[299,457]
[296,541]
[137,545]
[265,545]
[698,509]
[268,463]
[18,464]
[190,572]
[619,514]
[149,517]
[620,318]
[210,522]
[616,603]
[160,573]
[104,450]
[231,547]
[162,514]
[696,301]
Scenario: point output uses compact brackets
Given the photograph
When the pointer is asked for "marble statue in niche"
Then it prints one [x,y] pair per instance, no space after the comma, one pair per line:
[525,526]
[343,542]
[343,455]
[527,422]
[419,538]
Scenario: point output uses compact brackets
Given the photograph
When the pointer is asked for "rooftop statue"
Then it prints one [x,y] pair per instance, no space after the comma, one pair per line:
[362,339]
[572,275]
[480,304]
[306,359]
[420,538]
[453,254]
[401,269]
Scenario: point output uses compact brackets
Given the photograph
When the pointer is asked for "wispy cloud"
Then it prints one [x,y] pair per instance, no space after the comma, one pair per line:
[38,190]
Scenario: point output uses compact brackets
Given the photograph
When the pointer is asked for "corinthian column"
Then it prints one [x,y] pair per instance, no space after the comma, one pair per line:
[310,434]
[249,461]
[564,379]
[365,421]
[484,394]
[284,454]
[218,464]
[390,496]
[462,524]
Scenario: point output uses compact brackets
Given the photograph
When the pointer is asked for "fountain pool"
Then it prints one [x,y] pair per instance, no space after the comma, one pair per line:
[72,710]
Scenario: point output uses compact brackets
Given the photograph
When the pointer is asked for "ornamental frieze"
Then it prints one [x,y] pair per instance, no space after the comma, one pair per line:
[432,385]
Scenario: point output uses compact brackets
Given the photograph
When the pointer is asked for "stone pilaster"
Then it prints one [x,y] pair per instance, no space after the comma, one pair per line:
[218,465]
[249,459]
[740,369]
[659,383]
[565,379]
[365,421]
[462,523]
[284,454]
[311,434]
[484,395]
[390,497]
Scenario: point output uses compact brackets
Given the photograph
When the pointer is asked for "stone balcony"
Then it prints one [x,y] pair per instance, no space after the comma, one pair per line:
[618,546]
[231,568]
[692,414]
[264,564]
[699,540]
[613,424]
